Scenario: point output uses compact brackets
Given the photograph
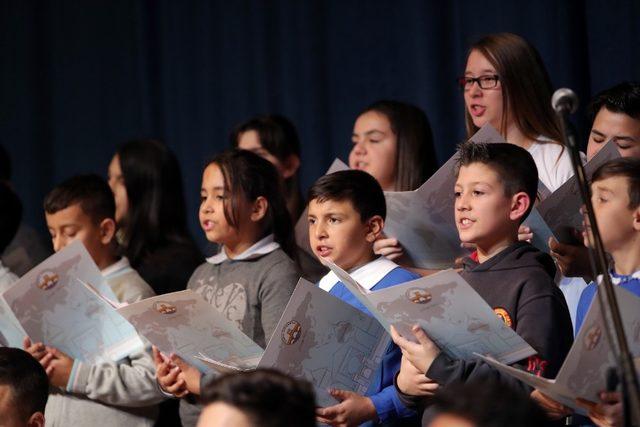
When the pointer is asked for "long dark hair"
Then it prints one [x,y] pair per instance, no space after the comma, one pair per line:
[526,86]
[250,176]
[157,212]
[416,158]
[279,137]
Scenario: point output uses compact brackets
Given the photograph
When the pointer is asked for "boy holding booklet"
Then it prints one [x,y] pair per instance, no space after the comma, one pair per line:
[346,216]
[494,192]
[615,194]
[107,394]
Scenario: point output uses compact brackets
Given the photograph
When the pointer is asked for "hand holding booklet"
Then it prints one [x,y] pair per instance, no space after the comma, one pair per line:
[584,371]
[318,337]
[454,316]
[53,306]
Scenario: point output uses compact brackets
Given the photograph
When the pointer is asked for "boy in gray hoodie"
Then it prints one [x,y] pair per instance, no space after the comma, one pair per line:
[105,394]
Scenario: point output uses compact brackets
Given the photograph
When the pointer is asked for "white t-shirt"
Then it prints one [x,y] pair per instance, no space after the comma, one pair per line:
[553,162]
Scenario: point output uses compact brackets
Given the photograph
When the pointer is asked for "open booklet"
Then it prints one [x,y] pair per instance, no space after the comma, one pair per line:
[52,305]
[584,371]
[561,210]
[423,220]
[302,226]
[454,316]
[319,338]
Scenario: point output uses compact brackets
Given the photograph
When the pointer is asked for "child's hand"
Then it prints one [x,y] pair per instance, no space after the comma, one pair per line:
[525,234]
[39,352]
[388,247]
[554,410]
[168,375]
[190,374]
[414,382]
[606,413]
[352,410]
[421,354]
[60,367]
[572,260]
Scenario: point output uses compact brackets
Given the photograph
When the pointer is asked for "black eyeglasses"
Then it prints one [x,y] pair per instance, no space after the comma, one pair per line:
[489,81]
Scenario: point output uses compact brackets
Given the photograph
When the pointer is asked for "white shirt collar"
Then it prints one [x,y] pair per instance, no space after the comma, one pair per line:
[368,275]
[261,247]
[116,267]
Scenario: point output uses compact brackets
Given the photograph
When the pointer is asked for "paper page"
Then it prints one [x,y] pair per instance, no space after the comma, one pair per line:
[423,220]
[55,308]
[185,324]
[302,226]
[561,210]
[11,332]
[456,318]
[326,341]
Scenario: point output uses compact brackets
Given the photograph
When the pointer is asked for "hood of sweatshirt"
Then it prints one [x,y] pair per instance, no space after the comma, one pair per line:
[517,256]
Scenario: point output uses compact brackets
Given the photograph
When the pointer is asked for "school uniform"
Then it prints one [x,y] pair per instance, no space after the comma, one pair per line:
[251,289]
[375,275]
[518,284]
[111,394]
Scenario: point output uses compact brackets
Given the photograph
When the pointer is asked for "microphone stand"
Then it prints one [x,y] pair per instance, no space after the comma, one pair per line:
[630,387]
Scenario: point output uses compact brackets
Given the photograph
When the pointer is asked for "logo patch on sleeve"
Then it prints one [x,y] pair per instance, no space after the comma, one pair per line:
[504,316]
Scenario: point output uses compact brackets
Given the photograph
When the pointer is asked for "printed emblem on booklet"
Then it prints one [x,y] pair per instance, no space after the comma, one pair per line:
[291,332]
[418,295]
[164,307]
[48,280]
[592,338]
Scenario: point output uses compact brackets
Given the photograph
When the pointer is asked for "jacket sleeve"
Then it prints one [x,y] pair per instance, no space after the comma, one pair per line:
[130,383]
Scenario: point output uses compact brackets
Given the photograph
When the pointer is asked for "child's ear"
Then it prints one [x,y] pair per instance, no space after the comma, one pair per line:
[375,224]
[636,219]
[259,209]
[107,230]
[290,166]
[520,203]
[36,420]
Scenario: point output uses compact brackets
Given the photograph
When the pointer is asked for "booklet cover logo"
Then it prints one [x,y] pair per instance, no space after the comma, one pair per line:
[592,338]
[291,332]
[47,280]
[164,307]
[418,296]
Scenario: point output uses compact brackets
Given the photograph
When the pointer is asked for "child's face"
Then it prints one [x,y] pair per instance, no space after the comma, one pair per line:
[623,129]
[71,224]
[617,223]
[482,211]
[375,148]
[484,105]
[213,195]
[337,233]
[116,182]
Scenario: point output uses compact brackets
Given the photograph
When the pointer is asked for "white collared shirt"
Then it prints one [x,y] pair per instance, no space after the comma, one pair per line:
[368,275]
[117,268]
[261,247]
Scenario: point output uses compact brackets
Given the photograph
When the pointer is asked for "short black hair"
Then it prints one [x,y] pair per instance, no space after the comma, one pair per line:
[358,187]
[627,167]
[10,215]
[26,378]
[513,164]
[622,98]
[489,404]
[91,192]
[5,164]
[267,397]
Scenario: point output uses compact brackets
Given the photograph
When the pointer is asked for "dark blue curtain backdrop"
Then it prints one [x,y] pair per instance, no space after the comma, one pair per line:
[79,78]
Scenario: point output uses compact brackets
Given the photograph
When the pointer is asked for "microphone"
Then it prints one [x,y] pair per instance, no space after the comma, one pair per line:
[564,101]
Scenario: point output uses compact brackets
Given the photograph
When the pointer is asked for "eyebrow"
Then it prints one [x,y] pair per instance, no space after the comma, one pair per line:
[369,132]
[217,188]
[485,71]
